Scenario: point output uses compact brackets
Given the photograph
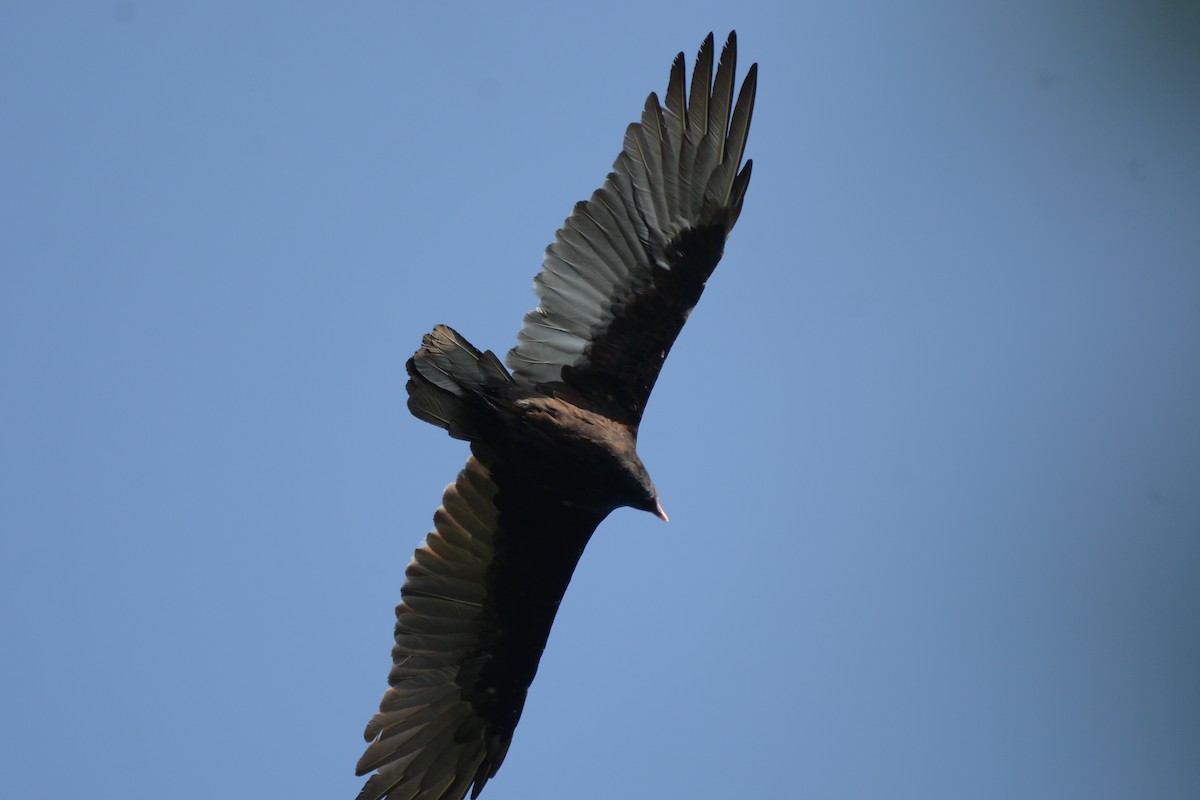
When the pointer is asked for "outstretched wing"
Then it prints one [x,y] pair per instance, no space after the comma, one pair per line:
[480,597]
[629,264]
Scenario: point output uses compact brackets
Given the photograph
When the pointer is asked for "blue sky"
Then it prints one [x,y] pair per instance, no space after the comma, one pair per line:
[930,443]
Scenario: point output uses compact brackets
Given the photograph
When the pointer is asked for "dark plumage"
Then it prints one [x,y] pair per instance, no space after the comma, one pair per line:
[553,445]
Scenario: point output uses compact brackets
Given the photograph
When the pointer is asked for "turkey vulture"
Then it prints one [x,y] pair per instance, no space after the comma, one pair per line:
[552,442]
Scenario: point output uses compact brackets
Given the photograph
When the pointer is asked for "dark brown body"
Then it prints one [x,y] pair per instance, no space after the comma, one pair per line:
[582,457]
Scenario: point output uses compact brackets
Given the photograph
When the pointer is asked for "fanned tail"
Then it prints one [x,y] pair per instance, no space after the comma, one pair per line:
[446,376]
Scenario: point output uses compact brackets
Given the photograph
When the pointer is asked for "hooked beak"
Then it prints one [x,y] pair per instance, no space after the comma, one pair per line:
[658,511]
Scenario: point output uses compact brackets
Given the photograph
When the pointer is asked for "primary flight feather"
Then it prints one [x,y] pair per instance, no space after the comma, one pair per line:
[553,444]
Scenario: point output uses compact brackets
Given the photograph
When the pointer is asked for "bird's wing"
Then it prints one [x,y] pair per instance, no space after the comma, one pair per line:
[629,264]
[477,605]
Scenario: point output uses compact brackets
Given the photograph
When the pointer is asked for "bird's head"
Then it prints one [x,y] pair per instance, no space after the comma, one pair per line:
[647,495]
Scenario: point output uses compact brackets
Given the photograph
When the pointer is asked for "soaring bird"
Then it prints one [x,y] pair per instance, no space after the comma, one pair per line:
[553,442]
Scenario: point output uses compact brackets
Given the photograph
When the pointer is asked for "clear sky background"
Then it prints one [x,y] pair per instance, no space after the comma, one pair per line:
[930,443]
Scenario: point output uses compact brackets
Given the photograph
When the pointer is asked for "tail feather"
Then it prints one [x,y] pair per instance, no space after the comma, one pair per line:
[447,374]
